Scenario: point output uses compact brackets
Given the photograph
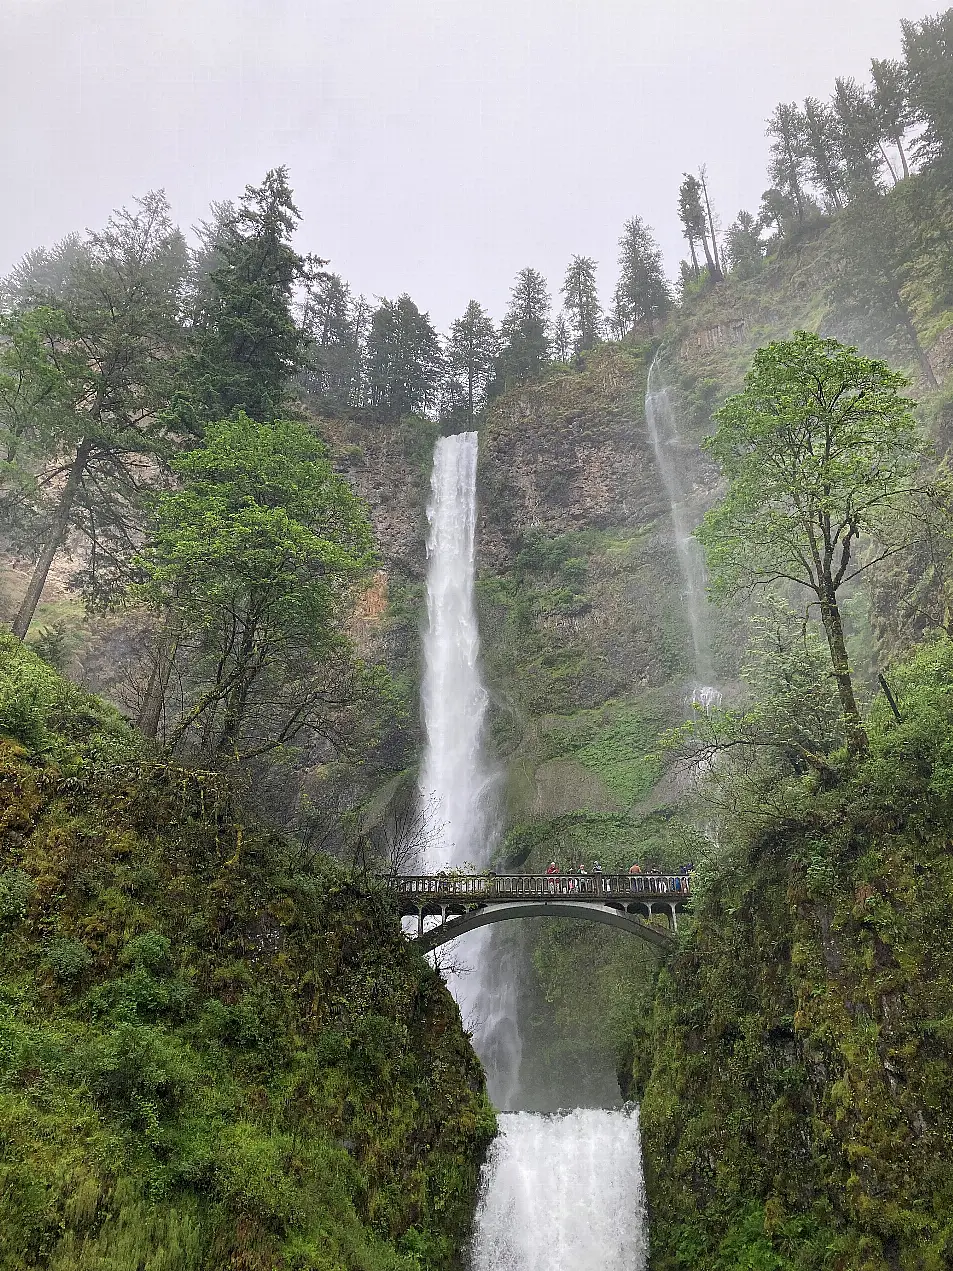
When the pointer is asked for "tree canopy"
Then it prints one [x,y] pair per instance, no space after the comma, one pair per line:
[820,452]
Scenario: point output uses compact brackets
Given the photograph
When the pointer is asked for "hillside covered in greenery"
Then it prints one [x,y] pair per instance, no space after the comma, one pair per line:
[217,1049]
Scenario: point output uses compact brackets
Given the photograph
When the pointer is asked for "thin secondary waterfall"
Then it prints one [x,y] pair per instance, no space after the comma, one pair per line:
[559,1192]
[662,420]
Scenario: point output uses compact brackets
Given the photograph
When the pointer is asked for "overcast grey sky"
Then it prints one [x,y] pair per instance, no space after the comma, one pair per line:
[435,146]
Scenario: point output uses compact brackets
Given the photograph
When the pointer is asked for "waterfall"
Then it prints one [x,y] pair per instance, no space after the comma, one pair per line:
[563,1192]
[456,782]
[458,785]
[662,420]
[558,1192]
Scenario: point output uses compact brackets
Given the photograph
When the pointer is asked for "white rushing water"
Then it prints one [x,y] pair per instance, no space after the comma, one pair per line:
[662,420]
[563,1192]
[559,1192]
[456,782]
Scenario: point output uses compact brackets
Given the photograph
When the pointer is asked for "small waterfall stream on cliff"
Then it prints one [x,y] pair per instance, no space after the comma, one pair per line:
[662,420]
[560,1192]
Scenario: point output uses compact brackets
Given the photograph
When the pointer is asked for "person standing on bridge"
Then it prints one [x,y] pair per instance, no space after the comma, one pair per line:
[635,877]
[552,870]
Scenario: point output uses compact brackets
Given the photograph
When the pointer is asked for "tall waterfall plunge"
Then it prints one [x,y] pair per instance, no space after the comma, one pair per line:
[560,1192]
[456,778]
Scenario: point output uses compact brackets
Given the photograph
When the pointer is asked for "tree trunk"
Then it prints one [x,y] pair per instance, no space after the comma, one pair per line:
[714,272]
[892,170]
[857,741]
[903,157]
[150,713]
[54,541]
[718,275]
[907,322]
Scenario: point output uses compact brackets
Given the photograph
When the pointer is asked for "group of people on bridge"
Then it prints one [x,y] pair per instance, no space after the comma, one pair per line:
[650,881]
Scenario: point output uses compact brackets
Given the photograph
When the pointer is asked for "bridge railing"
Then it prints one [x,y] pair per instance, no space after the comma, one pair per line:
[481,887]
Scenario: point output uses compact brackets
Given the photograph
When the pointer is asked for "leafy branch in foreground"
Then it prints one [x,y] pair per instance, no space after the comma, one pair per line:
[820,452]
[792,718]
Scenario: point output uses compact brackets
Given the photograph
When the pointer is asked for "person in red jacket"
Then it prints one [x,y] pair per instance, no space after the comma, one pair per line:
[552,869]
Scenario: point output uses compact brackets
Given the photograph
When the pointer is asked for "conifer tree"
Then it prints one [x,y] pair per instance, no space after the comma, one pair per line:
[470,355]
[928,51]
[581,305]
[858,136]
[642,293]
[562,340]
[246,344]
[743,247]
[820,149]
[329,322]
[788,171]
[526,331]
[775,211]
[695,225]
[404,362]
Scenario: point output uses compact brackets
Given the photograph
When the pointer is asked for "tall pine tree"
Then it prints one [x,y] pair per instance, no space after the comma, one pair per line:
[581,305]
[526,331]
[642,293]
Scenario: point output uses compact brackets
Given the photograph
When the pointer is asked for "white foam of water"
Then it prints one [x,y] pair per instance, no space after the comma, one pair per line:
[456,782]
[563,1193]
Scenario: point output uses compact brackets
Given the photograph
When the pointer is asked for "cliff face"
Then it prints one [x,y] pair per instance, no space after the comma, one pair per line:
[796,1082]
[588,659]
[215,1050]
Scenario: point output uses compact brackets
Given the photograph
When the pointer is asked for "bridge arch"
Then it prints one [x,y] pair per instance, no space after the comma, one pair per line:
[484,916]
[464,902]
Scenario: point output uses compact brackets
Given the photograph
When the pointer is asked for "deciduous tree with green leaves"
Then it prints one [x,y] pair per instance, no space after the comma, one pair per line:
[252,562]
[820,452]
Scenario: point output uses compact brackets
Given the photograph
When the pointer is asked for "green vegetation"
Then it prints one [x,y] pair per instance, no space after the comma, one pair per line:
[796,1084]
[215,1048]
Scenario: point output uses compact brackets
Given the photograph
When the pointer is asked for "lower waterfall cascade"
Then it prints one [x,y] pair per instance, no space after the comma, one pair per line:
[560,1191]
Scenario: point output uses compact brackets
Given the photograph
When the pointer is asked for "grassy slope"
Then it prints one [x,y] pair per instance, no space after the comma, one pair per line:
[214,1052]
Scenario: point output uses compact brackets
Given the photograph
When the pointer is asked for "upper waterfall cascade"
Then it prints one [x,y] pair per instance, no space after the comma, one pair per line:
[559,1192]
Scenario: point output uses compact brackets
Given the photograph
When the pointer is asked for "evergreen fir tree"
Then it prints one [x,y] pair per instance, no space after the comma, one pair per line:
[246,345]
[470,355]
[788,172]
[526,331]
[820,149]
[892,105]
[581,305]
[404,362]
[928,51]
[743,247]
[642,294]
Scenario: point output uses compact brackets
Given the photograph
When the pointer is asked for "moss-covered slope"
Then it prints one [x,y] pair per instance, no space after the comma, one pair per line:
[798,1106]
[214,1051]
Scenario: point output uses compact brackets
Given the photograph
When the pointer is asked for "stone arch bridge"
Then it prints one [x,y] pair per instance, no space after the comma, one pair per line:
[463,902]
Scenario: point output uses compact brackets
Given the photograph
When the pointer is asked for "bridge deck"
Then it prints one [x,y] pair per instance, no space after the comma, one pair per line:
[481,889]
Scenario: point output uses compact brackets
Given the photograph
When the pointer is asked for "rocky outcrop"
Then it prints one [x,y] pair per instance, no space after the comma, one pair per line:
[571,453]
